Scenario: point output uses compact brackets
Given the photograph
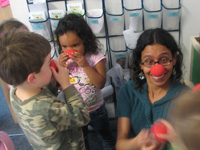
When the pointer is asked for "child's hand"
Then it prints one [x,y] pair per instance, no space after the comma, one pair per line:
[79,59]
[62,76]
[53,80]
[171,133]
[158,128]
[63,59]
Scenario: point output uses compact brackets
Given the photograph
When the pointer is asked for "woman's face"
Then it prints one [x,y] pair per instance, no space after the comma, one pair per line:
[157,52]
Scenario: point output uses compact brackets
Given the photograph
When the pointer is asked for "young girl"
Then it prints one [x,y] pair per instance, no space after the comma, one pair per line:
[87,71]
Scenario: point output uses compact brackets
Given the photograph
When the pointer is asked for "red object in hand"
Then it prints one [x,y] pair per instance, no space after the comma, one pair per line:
[52,64]
[157,70]
[158,128]
[196,87]
[69,52]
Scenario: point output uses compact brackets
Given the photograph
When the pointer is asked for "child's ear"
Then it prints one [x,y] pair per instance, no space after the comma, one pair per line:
[31,78]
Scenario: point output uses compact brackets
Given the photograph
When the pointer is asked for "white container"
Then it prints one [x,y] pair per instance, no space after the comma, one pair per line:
[95,22]
[57,14]
[38,15]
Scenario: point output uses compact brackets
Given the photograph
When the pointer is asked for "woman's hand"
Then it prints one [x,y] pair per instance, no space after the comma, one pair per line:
[146,142]
[143,141]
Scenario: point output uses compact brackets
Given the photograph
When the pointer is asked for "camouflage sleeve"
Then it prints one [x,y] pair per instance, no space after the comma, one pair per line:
[72,114]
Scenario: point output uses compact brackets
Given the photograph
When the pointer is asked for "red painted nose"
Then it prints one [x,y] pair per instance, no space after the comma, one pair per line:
[157,70]
[69,52]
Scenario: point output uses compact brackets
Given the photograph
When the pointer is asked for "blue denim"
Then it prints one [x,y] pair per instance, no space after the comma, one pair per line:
[100,123]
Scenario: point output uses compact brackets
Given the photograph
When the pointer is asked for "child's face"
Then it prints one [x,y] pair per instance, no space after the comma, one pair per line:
[44,76]
[71,40]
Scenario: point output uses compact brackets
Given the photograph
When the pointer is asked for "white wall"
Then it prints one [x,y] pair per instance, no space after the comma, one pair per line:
[20,11]
[190,24]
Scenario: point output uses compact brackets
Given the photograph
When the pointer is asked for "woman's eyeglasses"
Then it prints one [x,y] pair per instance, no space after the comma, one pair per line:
[163,61]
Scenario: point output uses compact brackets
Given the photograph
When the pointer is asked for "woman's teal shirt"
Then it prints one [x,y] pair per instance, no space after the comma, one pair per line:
[135,104]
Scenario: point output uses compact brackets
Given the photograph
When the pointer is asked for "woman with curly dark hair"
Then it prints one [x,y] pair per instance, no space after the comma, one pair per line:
[156,68]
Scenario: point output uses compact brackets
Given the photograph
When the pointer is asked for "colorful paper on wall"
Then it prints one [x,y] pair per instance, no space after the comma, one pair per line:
[75,8]
[4,3]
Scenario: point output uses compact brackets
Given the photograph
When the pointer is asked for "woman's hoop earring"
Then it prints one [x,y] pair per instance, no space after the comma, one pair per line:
[141,75]
[174,72]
